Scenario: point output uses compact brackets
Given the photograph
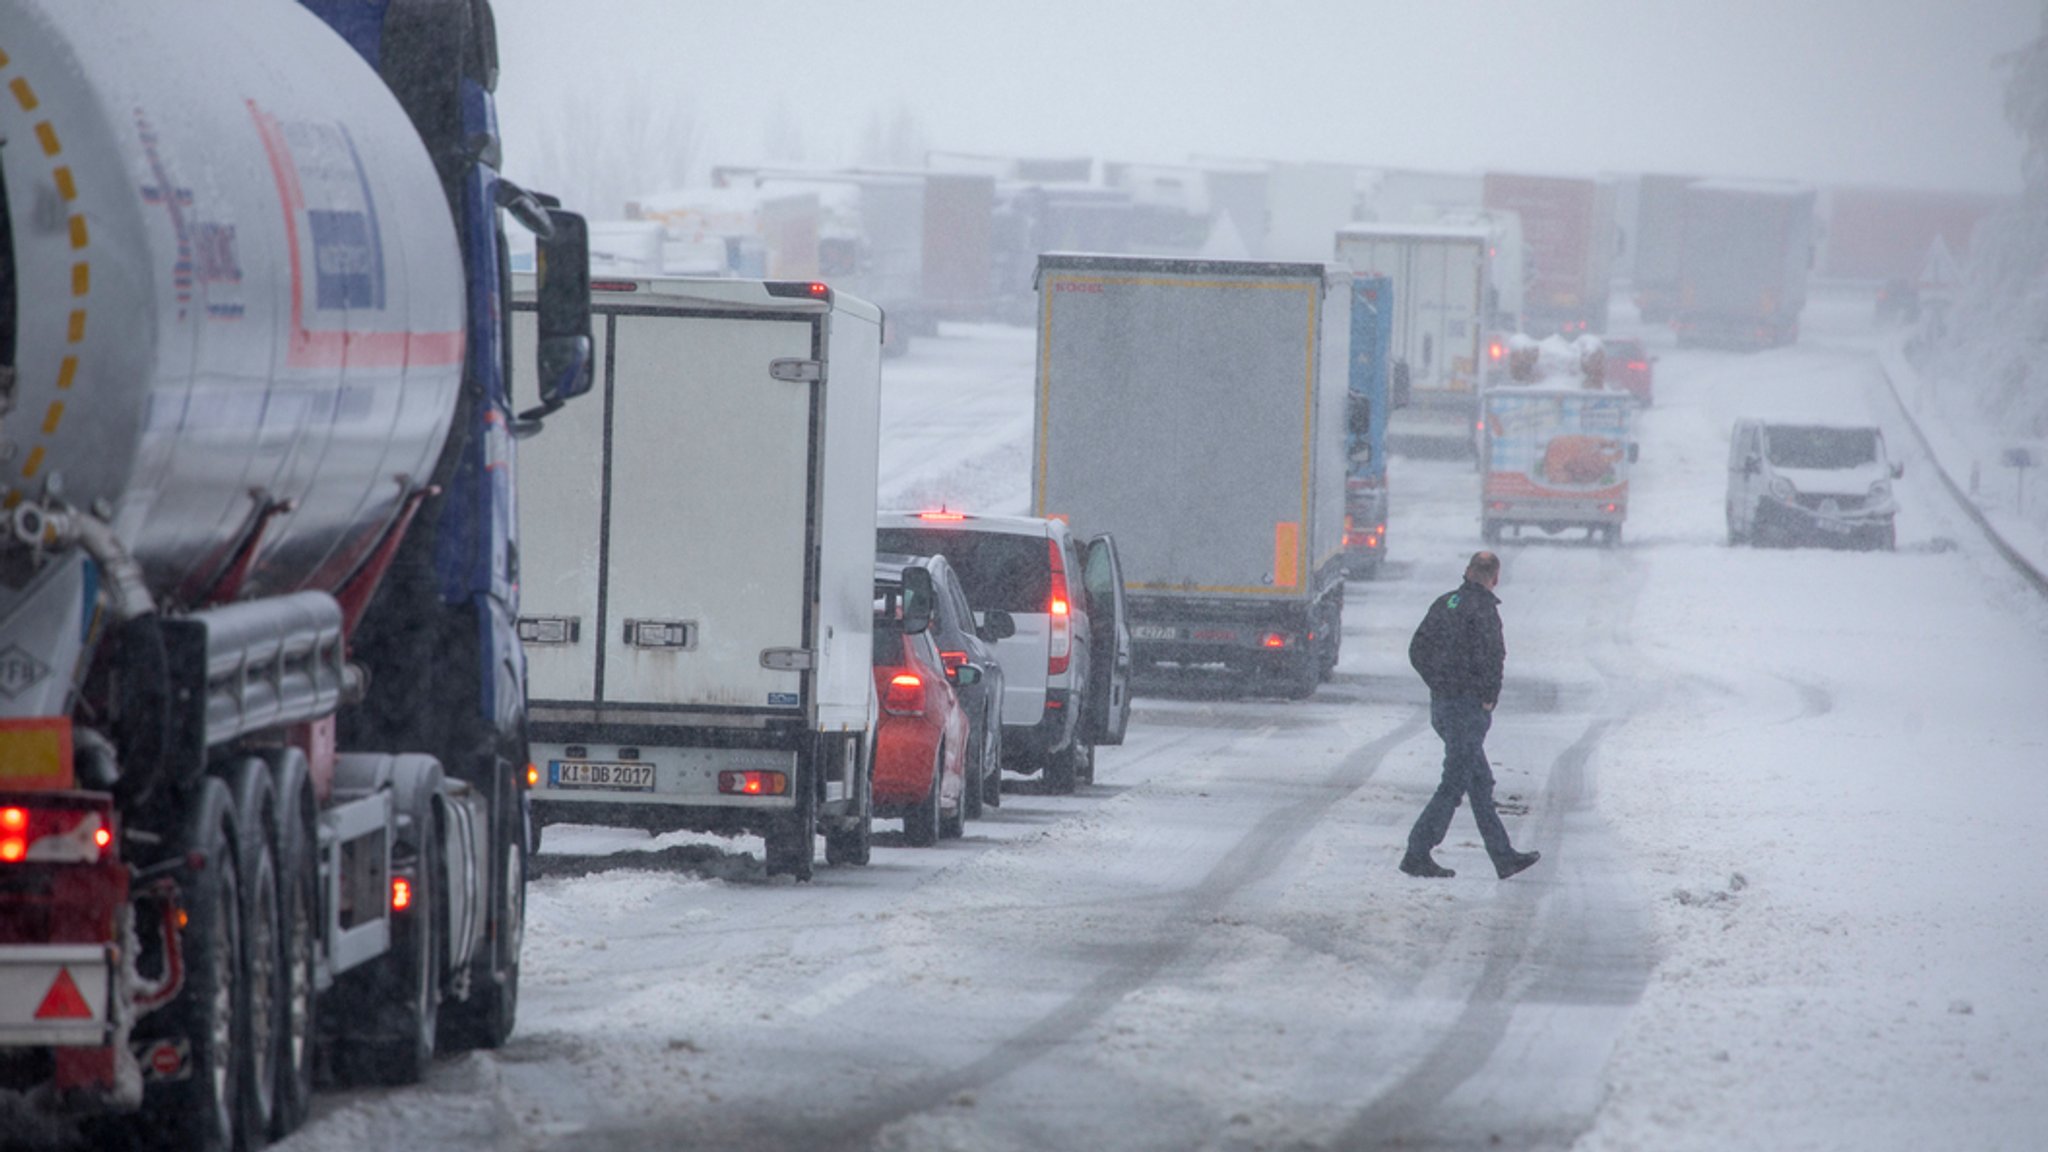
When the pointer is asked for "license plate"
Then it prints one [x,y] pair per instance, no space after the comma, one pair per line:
[1827,525]
[1154,632]
[590,774]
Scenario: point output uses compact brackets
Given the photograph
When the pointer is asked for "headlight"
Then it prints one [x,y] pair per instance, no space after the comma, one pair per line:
[1781,488]
[1881,490]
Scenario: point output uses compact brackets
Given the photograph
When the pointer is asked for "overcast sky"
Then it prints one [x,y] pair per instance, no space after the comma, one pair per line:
[1904,92]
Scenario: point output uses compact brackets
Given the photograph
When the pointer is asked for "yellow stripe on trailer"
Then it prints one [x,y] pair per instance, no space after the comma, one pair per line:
[35,753]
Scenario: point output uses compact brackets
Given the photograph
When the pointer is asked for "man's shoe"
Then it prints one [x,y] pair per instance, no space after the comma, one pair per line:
[1515,863]
[1427,868]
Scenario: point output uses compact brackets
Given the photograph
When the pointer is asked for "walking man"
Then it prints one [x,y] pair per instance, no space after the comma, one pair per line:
[1460,653]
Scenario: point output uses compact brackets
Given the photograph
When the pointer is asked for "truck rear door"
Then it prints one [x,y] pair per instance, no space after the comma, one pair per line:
[709,538]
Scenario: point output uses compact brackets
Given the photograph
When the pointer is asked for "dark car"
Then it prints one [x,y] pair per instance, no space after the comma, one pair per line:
[962,641]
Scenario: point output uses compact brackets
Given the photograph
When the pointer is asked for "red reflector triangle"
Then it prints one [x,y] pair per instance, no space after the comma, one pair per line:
[63,1001]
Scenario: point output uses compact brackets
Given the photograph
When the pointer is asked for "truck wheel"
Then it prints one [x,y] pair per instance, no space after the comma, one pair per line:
[1301,675]
[263,990]
[1610,536]
[298,864]
[1084,763]
[487,1018]
[413,970]
[200,1111]
[1489,531]
[791,843]
[852,844]
[921,827]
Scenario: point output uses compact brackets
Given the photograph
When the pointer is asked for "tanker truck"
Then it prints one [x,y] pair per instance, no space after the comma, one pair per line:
[262,763]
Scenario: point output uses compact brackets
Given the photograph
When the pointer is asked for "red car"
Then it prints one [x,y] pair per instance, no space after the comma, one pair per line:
[1628,366]
[921,741]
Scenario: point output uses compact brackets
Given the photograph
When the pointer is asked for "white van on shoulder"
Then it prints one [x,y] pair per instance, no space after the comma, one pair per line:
[1796,483]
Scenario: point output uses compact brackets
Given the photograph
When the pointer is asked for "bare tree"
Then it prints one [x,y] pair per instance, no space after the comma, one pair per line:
[605,146]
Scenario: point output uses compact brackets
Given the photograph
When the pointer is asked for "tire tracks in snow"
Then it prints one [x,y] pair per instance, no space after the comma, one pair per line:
[1261,851]
[1565,958]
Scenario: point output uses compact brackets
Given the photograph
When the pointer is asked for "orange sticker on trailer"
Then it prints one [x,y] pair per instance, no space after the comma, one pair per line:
[35,753]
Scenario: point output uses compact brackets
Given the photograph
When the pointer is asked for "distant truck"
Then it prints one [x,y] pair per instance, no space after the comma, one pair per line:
[1558,444]
[1871,235]
[698,575]
[1747,247]
[1365,432]
[1568,233]
[1440,277]
[1195,409]
[1659,239]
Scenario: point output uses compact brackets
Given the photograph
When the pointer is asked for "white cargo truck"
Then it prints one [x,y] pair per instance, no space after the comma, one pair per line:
[699,580]
[1442,284]
[1196,411]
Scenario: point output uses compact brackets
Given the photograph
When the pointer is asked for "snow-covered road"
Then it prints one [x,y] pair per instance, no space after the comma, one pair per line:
[1791,895]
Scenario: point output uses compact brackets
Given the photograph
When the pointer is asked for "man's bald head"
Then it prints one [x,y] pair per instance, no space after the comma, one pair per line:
[1484,569]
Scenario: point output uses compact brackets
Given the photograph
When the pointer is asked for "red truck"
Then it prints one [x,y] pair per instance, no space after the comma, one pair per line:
[1568,244]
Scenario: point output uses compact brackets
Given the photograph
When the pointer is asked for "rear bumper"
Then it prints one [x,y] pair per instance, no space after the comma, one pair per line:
[1024,744]
[1195,632]
[1777,519]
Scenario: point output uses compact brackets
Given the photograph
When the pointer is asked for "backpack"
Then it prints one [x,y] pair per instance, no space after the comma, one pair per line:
[1430,651]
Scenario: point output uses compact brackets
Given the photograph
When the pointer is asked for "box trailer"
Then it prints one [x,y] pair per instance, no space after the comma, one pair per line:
[1440,275]
[1747,248]
[1195,410]
[698,574]
[1568,229]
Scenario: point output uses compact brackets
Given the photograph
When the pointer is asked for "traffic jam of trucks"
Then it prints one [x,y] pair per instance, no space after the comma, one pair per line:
[291,685]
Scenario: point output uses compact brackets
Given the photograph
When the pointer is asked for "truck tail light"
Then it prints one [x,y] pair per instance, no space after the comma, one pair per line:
[1059,610]
[1274,640]
[753,783]
[56,833]
[905,695]
[401,894]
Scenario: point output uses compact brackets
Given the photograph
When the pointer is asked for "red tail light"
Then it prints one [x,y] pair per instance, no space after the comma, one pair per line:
[55,833]
[1274,640]
[1639,365]
[401,894]
[1062,651]
[753,783]
[942,514]
[905,695]
[953,660]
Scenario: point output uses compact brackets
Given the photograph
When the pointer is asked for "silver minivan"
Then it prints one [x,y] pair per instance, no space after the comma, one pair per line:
[1067,665]
[1802,483]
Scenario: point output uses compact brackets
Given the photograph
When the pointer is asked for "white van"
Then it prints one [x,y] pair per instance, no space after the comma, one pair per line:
[1793,483]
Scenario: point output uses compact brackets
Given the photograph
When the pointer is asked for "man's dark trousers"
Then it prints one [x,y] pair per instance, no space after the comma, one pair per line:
[1462,721]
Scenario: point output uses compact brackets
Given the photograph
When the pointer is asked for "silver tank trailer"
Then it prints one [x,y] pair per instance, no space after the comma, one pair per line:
[237,288]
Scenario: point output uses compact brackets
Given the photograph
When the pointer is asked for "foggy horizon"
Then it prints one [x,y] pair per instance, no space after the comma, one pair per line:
[1891,93]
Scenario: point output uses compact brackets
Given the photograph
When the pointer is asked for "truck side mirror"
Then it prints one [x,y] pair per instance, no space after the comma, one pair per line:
[562,264]
[1634,450]
[1360,416]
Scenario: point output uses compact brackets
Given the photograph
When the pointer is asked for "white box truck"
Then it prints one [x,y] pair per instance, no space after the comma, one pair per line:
[698,578]
[1442,282]
[1195,410]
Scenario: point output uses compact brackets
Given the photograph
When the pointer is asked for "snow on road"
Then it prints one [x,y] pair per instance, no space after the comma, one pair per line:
[1791,893]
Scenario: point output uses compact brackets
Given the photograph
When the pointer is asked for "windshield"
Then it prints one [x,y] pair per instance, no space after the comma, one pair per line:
[998,570]
[1820,447]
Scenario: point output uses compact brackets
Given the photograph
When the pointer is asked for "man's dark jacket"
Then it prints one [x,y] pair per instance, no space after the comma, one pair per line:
[1459,649]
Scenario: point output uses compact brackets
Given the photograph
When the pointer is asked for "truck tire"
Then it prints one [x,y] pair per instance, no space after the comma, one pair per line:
[1301,675]
[487,1018]
[199,1112]
[791,844]
[851,843]
[1489,531]
[1084,763]
[298,862]
[395,1001]
[262,992]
